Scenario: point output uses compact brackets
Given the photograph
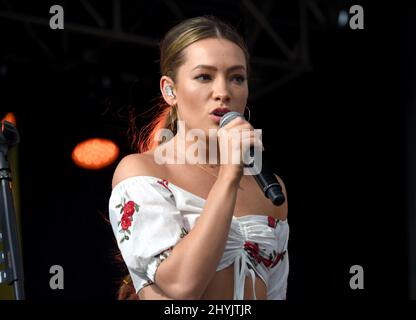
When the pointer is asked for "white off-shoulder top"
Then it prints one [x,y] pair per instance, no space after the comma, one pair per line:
[149,215]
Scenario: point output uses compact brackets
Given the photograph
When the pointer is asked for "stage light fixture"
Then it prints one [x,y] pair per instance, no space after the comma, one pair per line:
[95,153]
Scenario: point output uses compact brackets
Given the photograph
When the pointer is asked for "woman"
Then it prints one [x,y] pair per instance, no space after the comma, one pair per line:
[199,231]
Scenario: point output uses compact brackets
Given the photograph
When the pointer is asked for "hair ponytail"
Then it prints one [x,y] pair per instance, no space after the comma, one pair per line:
[165,117]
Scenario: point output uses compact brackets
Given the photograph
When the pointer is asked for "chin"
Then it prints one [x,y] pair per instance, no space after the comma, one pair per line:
[213,126]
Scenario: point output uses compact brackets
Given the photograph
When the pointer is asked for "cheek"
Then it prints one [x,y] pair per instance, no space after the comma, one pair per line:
[190,92]
[191,106]
[243,96]
[192,100]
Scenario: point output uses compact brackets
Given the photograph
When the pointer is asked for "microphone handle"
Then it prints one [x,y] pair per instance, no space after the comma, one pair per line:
[272,190]
[268,182]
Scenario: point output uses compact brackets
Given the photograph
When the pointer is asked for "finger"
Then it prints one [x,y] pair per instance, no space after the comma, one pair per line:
[239,126]
[250,142]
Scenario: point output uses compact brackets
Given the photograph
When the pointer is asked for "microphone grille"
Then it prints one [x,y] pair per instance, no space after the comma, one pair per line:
[229,116]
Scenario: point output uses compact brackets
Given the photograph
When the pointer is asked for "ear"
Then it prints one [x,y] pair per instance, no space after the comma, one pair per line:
[166,81]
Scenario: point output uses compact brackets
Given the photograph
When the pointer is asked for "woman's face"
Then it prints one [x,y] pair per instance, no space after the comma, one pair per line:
[213,76]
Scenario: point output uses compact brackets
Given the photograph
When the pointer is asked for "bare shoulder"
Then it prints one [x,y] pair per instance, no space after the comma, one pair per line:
[136,164]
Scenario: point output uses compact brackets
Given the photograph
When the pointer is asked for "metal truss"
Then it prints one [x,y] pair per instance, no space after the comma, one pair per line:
[288,53]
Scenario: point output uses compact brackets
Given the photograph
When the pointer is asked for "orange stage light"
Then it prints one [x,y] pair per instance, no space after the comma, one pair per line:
[95,153]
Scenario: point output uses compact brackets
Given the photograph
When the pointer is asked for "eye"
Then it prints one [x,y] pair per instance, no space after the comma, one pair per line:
[203,77]
[238,78]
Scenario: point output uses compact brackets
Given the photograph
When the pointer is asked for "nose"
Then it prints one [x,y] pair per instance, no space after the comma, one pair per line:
[220,91]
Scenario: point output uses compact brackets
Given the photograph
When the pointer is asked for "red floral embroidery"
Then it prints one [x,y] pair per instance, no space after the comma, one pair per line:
[127,211]
[271,222]
[267,262]
[129,208]
[164,183]
[252,248]
[260,256]
[125,222]
[278,257]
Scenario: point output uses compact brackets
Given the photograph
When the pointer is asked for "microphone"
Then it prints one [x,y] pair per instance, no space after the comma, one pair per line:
[266,180]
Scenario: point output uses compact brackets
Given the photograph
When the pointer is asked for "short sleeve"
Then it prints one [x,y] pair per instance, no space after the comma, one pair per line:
[146,225]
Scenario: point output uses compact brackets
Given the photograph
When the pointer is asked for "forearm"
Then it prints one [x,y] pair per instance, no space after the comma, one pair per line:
[153,292]
[193,261]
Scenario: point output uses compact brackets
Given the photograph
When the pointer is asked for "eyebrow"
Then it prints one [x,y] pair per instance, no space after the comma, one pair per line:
[204,66]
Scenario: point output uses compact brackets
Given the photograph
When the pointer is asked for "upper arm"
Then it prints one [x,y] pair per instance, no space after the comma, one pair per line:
[154,226]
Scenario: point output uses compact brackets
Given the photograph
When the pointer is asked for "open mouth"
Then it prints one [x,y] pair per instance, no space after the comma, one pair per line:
[219,112]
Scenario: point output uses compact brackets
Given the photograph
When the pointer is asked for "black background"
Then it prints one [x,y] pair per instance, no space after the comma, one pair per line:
[336,135]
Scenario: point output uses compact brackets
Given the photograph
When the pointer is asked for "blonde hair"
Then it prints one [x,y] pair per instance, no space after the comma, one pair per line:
[171,58]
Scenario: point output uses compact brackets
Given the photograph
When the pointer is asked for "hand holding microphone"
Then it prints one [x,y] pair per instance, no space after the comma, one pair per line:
[265,178]
[234,145]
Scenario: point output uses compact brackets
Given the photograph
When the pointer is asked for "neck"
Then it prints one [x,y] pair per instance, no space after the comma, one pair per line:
[203,150]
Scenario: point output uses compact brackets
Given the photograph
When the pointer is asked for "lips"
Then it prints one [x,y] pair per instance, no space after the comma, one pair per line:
[219,112]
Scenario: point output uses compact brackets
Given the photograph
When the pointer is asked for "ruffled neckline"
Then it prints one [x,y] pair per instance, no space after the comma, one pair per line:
[259,217]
